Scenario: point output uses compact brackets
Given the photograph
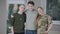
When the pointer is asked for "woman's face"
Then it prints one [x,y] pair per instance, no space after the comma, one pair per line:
[22,8]
[40,11]
[15,7]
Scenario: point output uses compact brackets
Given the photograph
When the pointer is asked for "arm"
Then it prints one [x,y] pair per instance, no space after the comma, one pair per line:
[12,30]
[49,28]
[50,24]
[12,21]
[36,23]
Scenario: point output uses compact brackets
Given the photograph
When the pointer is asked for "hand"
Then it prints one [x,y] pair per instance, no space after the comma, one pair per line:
[46,32]
[12,33]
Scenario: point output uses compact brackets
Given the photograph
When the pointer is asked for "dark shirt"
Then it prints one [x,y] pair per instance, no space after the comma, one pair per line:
[17,21]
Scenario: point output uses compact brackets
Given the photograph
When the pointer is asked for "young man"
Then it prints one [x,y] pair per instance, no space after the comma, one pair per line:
[31,14]
[17,20]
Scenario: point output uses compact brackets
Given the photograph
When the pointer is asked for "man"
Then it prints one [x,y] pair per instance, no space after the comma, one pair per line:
[31,14]
[17,20]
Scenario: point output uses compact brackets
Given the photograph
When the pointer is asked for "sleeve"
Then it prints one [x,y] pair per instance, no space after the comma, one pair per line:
[49,20]
[12,20]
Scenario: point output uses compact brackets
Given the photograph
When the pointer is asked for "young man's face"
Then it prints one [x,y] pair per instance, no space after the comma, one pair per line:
[31,7]
[22,8]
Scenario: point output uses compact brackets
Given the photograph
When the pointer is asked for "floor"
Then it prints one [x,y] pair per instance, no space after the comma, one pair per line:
[55,29]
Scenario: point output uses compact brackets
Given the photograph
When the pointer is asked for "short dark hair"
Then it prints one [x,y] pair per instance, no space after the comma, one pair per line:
[19,6]
[31,2]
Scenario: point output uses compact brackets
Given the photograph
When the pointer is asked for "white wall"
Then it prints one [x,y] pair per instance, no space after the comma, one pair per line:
[3,16]
[16,1]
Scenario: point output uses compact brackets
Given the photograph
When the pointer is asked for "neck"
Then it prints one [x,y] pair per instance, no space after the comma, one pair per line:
[41,14]
[31,10]
[20,12]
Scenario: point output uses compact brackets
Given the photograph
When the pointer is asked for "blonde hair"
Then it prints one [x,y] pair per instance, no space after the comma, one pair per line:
[40,8]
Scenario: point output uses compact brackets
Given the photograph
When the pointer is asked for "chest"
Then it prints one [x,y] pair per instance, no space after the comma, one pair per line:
[43,21]
[31,14]
[19,17]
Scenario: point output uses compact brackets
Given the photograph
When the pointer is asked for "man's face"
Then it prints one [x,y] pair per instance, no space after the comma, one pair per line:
[22,8]
[31,7]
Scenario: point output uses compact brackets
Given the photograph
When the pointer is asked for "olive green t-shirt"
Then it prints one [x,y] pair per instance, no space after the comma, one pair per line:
[17,21]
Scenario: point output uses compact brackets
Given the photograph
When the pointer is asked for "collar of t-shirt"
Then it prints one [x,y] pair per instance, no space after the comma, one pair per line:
[19,13]
[32,10]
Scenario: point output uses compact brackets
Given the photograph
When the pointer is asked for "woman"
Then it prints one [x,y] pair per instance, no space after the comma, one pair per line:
[17,20]
[15,8]
[43,22]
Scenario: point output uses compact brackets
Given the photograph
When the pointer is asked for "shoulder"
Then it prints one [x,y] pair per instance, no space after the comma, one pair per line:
[35,11]
[24,13]
[12,16]
[26,10]
[49,17]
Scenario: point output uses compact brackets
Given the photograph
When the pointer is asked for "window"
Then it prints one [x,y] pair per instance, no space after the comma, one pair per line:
[53,9]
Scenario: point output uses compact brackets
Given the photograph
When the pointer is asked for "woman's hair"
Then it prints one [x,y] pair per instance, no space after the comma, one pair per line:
[19,6]
[10,10]
[40,8]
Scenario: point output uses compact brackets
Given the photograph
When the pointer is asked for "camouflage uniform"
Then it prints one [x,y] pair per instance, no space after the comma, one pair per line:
[42,24]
